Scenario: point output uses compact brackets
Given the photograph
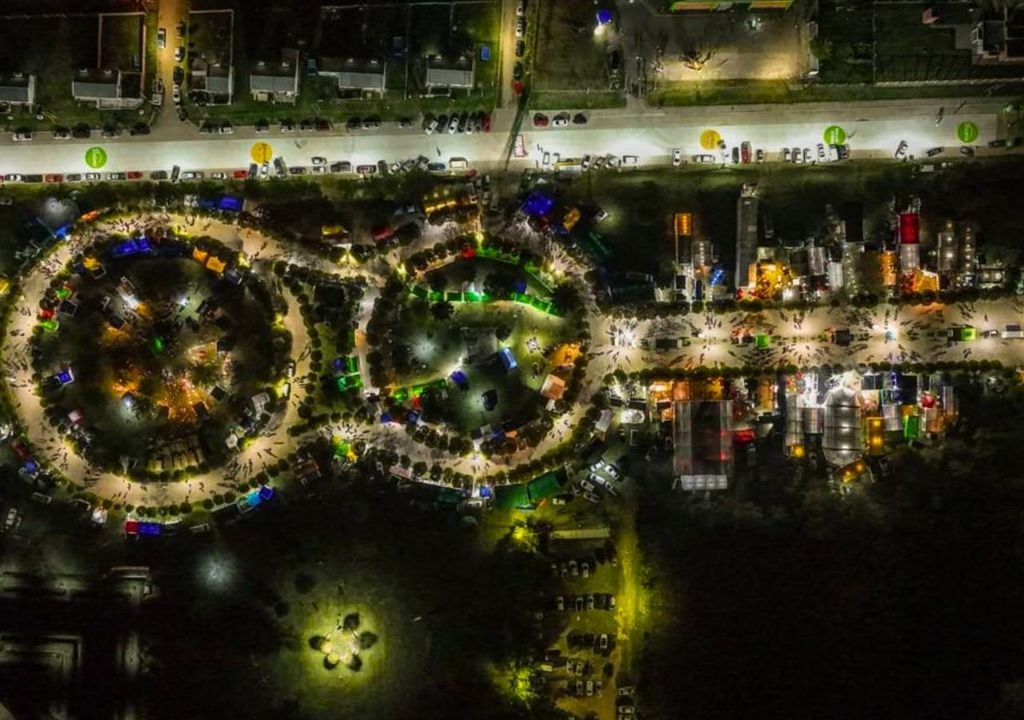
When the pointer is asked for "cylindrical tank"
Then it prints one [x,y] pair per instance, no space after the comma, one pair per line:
[813,420]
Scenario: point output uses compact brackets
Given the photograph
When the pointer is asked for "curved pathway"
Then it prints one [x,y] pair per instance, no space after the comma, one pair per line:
[915,334]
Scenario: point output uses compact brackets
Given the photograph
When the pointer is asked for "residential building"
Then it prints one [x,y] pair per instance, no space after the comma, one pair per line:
[992,37]
[447,75]
[104,86]
[18,88]
[355,76]
[276,82]
[217,81]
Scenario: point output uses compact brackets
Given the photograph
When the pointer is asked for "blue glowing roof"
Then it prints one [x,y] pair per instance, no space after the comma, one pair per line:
[508,359]
[538,204]
[131,247]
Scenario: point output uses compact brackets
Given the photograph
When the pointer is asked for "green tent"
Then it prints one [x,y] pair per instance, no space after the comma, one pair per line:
[509,497]
[544,486]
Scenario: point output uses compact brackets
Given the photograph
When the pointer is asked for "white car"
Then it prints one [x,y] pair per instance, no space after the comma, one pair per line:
[431,126]
[176,94]
[227,130]
[560,120]
[821,152]
[677,157]
[520,28]
[318,160]
[520,8]
[704,159]
[93,176]
[23,136]
[12,177]
[453,125]
[192,175]
[179,53]
[901,150]
[218,176]
[585,163]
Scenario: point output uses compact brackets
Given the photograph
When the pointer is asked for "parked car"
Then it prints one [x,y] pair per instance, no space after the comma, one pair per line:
[318,160]
[61,134]
[540,120]
[161,38]
[453,125]
[901,150]
[520,48]
[967,151]
[218,176]
[179,53]
[192,175]
[341,166]
[53,178]
[821,152]
[22,135]
[517,71]
[561,120]
[807,155]
[431,126]
[745,156]
[520,27]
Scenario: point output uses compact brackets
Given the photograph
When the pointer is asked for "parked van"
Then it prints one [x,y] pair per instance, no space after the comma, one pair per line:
[458,163]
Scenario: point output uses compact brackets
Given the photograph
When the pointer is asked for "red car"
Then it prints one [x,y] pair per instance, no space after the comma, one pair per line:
[382,232]
[540,120]
[134,175]
[240,174]
[485,122]
[54,177]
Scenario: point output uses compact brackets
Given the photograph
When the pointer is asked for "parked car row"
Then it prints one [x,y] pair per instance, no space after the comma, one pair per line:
[825,154]
[465,122]
[602,643]
[562,119]
[579,603]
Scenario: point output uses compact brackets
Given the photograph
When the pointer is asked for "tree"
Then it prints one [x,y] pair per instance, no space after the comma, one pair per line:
[442,310]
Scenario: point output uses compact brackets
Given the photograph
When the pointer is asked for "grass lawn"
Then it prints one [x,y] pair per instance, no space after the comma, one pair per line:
[122,41]
[436,347]
[556,100]
[210,37]
[768,91]
[566,55]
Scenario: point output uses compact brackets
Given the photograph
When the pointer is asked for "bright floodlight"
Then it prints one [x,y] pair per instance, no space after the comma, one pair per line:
[217,572]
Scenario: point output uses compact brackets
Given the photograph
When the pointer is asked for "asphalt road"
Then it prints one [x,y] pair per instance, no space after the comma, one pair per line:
[872,130]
